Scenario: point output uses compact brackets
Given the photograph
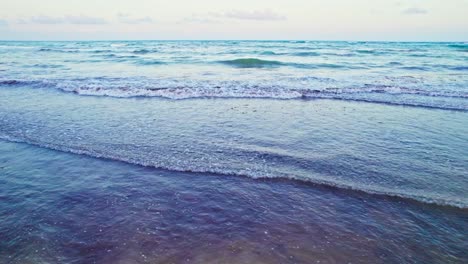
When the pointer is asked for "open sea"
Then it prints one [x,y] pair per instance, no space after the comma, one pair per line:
[233,152]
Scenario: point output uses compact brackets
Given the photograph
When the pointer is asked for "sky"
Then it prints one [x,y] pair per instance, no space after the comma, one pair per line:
[389,20]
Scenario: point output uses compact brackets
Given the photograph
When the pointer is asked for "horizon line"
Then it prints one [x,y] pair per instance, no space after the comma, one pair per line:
[260,40]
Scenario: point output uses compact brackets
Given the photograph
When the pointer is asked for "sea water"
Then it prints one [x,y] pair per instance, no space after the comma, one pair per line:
[233,151]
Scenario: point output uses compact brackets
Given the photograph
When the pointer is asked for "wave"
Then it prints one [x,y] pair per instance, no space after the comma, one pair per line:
[144,51]
[458,68]
[289,89]
[107,56]
[149,62]
[58,50]
[258,63]
[251,63]
[115,56]
[414,68]
[102,51]
[459,46]
[336,66]
[365,94]
[11,82]
[18,82]
[118,45]
[322,181]
[48,66]
[268,53]
[371,52]
[134,59]
[347,54]
[306,54]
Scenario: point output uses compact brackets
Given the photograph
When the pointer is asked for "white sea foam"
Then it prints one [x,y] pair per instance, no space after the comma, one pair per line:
[390,91]
[421,196]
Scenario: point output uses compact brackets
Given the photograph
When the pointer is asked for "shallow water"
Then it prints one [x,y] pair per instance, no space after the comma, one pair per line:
[408,152]
[279,152]
[65,208]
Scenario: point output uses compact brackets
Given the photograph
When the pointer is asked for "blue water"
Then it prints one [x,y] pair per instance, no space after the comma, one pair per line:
[415,74]
[242,151]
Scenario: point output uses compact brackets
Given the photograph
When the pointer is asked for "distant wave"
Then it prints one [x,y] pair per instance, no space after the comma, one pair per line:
[107,56]
[414,68]
[58,50]
[144,51]
[134,59]
[18,82]
[149,62]
[48,66]
[259,63]
[458,68]
[45,49]
[297,54]
[323,181]
[373,52]
[102,51]
[268,53]
[251,63]
[345,54]
[306,54]
[11,82]
[459,47]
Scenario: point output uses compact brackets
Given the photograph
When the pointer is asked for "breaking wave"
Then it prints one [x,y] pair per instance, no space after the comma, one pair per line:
[423,197]
[177,90]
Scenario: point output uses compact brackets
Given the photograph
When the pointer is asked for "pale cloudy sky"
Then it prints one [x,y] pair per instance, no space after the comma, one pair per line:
[420,20]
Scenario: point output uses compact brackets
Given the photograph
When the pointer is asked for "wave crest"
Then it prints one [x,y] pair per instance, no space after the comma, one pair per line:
[251,63]
[144,51]
[372,190]
[301,88]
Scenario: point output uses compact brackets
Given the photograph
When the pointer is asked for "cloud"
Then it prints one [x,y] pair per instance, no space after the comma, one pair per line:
[254,15]
[3,23]
[128,19]
[195,19]
[68,19]
[46,20]
[207,18]
[85,20]
[415,11]
[216,17]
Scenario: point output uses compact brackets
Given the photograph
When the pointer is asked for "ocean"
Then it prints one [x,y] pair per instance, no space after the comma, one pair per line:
[233,152]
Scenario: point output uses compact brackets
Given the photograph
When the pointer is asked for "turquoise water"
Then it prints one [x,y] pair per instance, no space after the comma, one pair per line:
[237,152]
